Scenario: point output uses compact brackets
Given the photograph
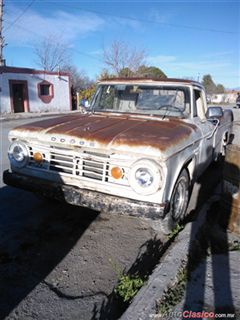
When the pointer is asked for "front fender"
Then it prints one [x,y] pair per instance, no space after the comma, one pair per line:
[184,160]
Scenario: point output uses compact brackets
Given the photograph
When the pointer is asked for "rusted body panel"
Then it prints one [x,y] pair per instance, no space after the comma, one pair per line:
[231,187]
[138,80]
[115,132]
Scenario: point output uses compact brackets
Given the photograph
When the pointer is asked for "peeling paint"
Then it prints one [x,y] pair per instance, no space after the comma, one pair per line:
[113,131]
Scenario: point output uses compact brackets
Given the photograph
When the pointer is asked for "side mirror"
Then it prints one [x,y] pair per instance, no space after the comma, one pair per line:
[214,113]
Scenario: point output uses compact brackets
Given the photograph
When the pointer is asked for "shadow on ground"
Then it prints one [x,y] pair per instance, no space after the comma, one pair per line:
[147,259]
[35,237]
[210,243]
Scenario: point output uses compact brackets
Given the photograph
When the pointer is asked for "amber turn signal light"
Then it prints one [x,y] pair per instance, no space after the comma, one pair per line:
[116,173]
[38,157]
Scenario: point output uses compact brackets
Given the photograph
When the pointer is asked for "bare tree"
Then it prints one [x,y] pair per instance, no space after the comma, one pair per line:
[121,56]
[79,79]
[51,53]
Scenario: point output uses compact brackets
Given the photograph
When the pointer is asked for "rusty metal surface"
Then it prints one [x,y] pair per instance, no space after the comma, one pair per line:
[231,207]
[115,130]
[44,124]
[234,223]
[231,184]
[86,198]
[231,170]
[151,79]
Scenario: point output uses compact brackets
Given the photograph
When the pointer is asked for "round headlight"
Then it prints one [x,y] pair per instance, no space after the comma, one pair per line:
[18,154]
[145,177]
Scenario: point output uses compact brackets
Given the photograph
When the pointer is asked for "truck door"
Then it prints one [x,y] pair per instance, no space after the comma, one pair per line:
[206,128]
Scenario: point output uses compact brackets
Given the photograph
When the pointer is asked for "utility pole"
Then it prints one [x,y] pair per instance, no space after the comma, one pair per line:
[2,61]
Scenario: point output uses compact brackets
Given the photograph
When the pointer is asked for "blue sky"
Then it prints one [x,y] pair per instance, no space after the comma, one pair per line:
[183,38]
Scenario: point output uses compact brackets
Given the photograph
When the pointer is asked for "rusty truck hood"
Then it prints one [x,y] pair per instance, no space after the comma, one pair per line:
[148,136]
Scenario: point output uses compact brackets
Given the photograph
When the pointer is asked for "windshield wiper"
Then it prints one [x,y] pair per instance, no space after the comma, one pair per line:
[169,108]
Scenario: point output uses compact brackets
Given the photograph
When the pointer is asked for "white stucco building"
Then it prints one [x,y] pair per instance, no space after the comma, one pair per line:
[227,97]
[30,90]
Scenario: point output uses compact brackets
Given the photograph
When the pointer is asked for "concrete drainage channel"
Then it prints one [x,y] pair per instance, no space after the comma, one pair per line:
[144,305]
[137,276]
[170,290]
[165,267]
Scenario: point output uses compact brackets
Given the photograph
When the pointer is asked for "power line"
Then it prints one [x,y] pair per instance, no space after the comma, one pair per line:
[20,15]
[71,49]
[42,36]
[69,3]
[105,14]
[158,22]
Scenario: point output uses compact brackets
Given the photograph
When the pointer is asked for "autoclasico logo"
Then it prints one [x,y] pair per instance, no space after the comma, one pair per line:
[192,315]
[203,314]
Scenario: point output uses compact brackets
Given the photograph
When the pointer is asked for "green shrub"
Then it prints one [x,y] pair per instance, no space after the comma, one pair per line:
[127,286]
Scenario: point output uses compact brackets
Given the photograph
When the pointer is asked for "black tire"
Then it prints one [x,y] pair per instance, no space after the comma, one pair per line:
[178,203]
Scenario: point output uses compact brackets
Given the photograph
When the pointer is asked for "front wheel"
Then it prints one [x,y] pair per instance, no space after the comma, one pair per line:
[178,203]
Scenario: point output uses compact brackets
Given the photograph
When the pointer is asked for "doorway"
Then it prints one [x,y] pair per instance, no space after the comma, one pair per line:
[19,96]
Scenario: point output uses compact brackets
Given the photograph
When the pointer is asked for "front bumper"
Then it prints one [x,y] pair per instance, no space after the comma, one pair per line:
[85,198]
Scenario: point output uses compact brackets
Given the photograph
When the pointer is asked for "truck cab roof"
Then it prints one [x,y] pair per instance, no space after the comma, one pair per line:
[155,81]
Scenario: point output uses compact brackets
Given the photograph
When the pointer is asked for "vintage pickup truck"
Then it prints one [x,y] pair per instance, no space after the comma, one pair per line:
[137,150]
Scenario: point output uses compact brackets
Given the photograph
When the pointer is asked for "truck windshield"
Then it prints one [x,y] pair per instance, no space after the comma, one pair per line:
[149,100]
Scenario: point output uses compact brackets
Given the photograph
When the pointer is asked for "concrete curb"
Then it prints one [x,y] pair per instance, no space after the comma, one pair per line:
[29,115]
[143,306]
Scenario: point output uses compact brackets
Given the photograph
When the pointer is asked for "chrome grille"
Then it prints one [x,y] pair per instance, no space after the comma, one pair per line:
[76,163]
[61,162]
[86,164]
